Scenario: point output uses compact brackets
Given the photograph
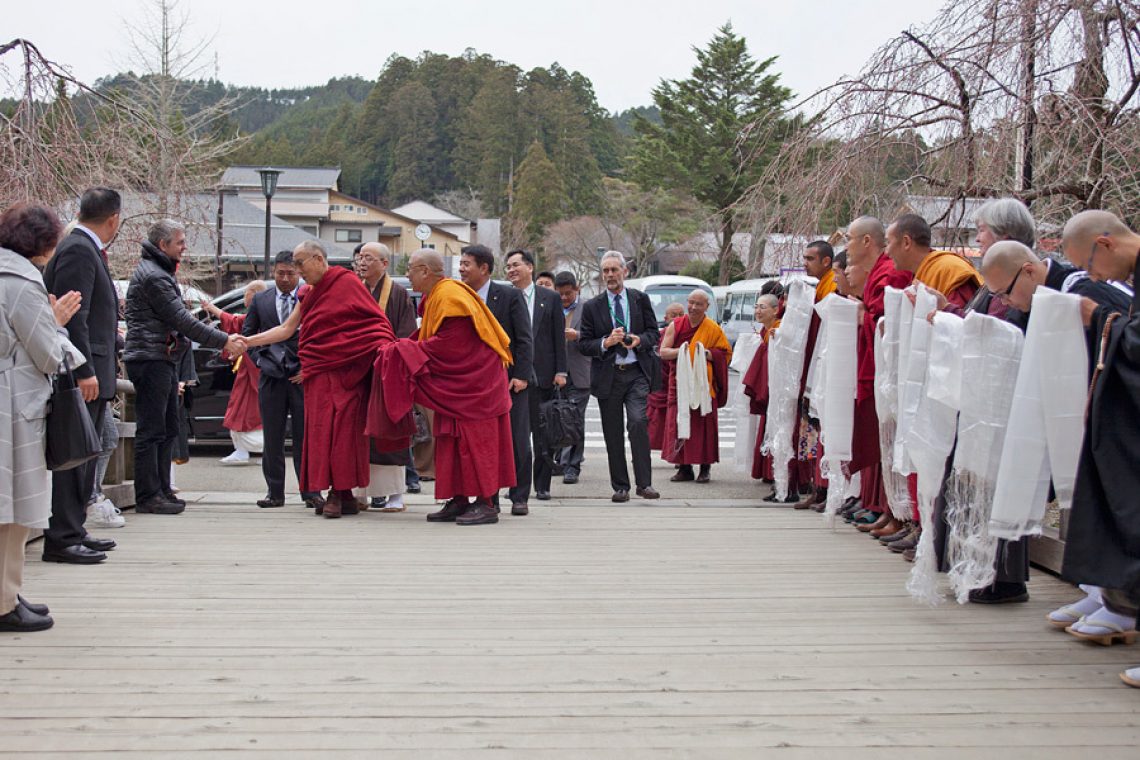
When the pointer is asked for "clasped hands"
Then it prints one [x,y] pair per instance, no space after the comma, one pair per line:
[618,336]
[236,345]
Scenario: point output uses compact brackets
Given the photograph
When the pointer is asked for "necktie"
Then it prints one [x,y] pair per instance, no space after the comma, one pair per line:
[530,303]
[283,310]
[619,313]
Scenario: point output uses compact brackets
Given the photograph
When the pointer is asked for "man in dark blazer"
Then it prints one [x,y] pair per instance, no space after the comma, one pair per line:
[619,332]
[548,333]
[476,262]
[279,391]
[577,370]
[80,263]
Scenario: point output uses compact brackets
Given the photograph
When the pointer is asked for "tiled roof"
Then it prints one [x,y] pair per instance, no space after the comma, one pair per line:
[292,176]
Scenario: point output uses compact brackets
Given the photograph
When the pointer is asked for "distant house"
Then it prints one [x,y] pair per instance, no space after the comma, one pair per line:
[302,197]
[951,221]
[352,221]
[423,211]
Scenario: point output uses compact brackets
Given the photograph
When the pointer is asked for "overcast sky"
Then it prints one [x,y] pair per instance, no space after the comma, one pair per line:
[624,46]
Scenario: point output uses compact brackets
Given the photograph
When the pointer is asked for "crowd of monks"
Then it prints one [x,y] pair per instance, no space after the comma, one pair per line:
[1102,550]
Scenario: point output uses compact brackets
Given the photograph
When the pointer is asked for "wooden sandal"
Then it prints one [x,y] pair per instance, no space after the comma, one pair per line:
[1063,624]
[1124,635]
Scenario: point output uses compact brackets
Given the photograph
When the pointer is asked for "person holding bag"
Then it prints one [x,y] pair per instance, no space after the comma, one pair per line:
[32,346]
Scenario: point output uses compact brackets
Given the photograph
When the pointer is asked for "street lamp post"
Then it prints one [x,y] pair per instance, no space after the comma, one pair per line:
[268,188]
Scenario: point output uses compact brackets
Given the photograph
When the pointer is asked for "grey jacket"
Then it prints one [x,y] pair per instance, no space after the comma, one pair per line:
[156,315]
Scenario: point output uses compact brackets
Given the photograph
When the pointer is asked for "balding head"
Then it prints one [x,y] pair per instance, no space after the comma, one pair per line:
[767,309]
[674,310]
[1101,244]
[1007,256]
[698,306]
[866,239]
[253,289]
[371,262]
[1012,272]
[425,270]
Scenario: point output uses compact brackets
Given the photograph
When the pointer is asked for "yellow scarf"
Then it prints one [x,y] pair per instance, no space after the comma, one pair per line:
[770,330]
[826,286]
[452,298]
[946,271]
[709,334]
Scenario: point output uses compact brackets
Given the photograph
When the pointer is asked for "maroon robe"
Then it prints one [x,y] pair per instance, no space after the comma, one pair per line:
[703,445]
[243,414]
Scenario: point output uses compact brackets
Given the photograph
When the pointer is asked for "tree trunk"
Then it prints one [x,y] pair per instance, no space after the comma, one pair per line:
[728,229]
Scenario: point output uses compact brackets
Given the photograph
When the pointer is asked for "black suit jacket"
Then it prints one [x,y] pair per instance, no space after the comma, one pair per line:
[508,305]
[277,360]
[78,265]
[548,330]
[598,324]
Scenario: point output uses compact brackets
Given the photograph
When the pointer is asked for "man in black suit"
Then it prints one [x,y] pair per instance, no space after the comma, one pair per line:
[577,370]
[279,391]
[80,263]
[548,333]
[619,332]
[476,262]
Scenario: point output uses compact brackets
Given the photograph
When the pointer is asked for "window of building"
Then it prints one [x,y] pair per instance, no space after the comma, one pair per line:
[334,207]
[361,210]
[349,236]
[429,245]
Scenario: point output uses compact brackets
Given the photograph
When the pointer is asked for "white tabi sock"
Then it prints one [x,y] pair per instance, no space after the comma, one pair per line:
[1104,621]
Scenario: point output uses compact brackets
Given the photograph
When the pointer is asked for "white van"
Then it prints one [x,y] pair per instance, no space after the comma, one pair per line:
[664,289]
[739,310]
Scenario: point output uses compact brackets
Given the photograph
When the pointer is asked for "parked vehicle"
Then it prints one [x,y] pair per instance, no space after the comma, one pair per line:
[664,289]
[740,302]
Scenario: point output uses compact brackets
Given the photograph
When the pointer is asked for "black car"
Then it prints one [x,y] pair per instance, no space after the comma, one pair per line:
[216,375]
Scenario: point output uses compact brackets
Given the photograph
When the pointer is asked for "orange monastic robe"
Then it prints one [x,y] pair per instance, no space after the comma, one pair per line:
[703,445]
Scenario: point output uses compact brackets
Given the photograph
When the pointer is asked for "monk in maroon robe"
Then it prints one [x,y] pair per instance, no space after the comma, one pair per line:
[658,400]
[702,446]
[243,415]
[756,383]
[455,364]
[342,329]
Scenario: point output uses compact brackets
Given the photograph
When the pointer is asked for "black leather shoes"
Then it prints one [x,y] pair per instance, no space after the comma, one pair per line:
[520,510]
[74,555]
[479,513]
[159,506]
[454,507]
[23,620]
[648,493]
[620,496]
[173,499]
[99,544]
[570,478]
[314,502]
[414,488]
[39,609]
[684,474]
[269,502]
[703,475]
[542,495]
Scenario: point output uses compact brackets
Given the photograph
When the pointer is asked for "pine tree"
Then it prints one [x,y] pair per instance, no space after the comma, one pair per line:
[540,194]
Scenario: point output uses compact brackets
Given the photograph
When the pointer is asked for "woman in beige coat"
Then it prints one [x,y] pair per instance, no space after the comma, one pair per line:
[31,349]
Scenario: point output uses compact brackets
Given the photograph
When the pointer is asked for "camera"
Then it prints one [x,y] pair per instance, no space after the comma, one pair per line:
[627,340]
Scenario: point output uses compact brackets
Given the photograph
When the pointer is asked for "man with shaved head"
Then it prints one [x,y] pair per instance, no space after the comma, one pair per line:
[1102,547]
[371,262]
[455,364]
[341,329]
[755,381]
[658,401]
[698,385]
[866,251]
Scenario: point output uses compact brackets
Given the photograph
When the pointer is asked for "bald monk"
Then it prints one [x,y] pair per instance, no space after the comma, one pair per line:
[243,415]
[342,328]
[455,364]
[657,401]
[1103,544]
[702,446]
[866,255]
[947,273]
[767,313]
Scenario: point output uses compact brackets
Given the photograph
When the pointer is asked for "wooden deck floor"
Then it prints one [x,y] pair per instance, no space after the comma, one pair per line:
[583,631]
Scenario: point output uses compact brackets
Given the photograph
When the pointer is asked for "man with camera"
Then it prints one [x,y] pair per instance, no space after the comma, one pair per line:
[619,332]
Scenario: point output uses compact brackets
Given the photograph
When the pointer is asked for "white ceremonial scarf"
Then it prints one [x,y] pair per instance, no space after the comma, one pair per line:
[692,387]
[990,356]
[836,390]
[1046,421]
[912,360]
[785,368]
[747,424]
[887,349]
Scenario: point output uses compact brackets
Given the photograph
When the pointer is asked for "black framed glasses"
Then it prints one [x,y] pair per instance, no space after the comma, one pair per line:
[1005,294]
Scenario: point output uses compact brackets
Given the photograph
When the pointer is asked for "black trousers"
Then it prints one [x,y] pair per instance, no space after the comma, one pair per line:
[156,425]
[520,439]
[70,492]
[543,457]
[278,399]
[629,394]
[572,456]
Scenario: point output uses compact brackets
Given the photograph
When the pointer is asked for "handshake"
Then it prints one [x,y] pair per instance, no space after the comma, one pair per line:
[236,345]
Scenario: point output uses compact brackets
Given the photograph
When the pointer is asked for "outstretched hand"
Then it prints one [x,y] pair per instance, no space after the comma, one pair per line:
[236,345]
[65,306]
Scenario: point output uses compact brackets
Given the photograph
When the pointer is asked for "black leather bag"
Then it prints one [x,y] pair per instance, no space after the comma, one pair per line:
[559,424]
[71,436]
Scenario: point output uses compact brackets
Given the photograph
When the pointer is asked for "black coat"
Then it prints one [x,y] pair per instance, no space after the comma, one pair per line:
[277,360]
[1103,544]
[156,314]
[1067,278]
[597,324]
[508,305]
[78,265]
[548,331]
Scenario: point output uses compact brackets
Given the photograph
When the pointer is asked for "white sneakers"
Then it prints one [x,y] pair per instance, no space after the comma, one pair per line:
[104,514]
[237,458]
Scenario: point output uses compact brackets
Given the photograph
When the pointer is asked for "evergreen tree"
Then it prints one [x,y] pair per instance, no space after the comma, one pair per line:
[705,144]
[540,194]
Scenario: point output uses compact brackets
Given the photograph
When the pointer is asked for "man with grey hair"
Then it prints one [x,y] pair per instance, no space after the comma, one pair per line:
[619,332]
[159,332]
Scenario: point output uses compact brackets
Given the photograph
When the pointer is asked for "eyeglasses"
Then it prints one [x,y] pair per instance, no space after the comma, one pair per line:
[1005,294]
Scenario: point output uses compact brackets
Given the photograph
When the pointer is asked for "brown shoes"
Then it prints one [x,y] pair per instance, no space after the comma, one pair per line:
[893,526]
[648,493]
[884,519]
[480,513]
[520,510]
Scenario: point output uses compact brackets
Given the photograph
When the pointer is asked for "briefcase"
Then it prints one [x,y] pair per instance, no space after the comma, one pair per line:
[559,424]
[71,436]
